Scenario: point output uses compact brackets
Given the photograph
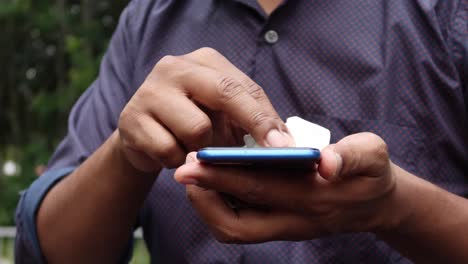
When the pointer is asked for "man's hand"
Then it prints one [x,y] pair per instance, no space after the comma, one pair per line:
[185,103]
[355,189]
[352,191]
[191,101]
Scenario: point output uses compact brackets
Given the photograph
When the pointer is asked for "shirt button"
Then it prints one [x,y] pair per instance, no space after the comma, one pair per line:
[271,37]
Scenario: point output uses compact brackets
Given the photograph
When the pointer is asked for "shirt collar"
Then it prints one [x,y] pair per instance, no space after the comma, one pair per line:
[255,6]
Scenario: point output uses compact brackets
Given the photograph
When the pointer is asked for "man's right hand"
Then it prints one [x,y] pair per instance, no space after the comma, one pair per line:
[185,103]
[191,101]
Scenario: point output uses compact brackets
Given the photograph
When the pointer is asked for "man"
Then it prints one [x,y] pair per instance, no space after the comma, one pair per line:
[393,69]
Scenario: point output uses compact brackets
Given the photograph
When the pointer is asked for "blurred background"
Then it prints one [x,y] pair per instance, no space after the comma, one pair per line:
[50,52]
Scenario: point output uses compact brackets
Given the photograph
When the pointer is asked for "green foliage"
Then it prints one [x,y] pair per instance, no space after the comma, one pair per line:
[140,252]
[49,52]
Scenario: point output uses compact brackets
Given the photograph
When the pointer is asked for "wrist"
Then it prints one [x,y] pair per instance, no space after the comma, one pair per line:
[429,222]
[398,208]
[125,158]
[128,159]
[412,201]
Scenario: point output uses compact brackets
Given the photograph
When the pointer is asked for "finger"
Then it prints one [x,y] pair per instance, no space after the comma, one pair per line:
[330,163]
[191,157]
[140,133]
[211,58]
[222,92]
[358,154]
[227,94]
[289,190]
[248,225]
[252,186]
[228,133]
[182,117]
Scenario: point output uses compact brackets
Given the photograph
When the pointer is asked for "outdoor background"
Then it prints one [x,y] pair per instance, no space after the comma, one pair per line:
[49,54]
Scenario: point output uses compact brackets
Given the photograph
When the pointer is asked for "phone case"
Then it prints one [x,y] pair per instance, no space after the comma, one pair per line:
[274,157]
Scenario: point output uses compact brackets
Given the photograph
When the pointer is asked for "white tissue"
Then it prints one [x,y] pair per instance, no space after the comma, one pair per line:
[305,134]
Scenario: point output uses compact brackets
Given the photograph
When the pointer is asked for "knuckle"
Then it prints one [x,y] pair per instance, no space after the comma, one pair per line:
[168,62]
[208,52]
[255,90]
[382,156]
[168,153]
[259,118]
[166,149]
[227,235]
[130,121]
[199,127]
[125,118]
[228,88]
[381,148]
[170,69]
[146,96]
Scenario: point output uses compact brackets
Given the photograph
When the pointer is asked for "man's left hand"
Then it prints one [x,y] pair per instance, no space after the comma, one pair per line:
[353,189]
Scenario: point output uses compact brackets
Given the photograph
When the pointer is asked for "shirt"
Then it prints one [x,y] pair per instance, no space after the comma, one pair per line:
[395,68]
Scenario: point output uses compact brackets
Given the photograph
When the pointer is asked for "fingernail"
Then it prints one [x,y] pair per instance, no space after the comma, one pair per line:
[189,158]
[189,181]
[339,165]
[275,138]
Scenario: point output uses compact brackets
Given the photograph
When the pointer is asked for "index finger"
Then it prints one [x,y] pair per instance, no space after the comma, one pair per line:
[233,93]
[211,58]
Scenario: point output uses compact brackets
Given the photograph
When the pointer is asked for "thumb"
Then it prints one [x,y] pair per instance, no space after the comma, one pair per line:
[362,154]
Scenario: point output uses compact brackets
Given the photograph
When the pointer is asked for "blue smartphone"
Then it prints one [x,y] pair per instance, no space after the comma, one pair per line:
[271,157]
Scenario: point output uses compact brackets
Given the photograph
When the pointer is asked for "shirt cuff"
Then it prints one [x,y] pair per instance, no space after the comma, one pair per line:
[27,210]
[30,202]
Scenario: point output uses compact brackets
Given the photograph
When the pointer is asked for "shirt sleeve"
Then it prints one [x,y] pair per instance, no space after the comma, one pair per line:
[459,44]
[92,120]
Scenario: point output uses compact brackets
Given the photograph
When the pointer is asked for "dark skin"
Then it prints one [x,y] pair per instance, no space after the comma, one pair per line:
[226,104]
[269,5]
[222,105]
[355,189]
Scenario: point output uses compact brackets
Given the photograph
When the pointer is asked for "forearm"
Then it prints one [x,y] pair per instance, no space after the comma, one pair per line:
[89,216]
[434,228]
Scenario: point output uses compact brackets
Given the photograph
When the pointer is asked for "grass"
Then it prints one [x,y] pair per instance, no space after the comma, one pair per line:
[140,253]
[6,251]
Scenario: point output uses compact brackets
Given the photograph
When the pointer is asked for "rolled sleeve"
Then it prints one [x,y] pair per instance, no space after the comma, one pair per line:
[27,247]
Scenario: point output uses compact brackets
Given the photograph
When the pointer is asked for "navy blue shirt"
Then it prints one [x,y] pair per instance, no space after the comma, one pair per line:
[396,68]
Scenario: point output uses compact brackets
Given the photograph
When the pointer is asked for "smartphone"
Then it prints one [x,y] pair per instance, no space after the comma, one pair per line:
[271,157]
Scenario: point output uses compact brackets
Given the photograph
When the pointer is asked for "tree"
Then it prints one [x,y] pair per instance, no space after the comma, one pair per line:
[49,53]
